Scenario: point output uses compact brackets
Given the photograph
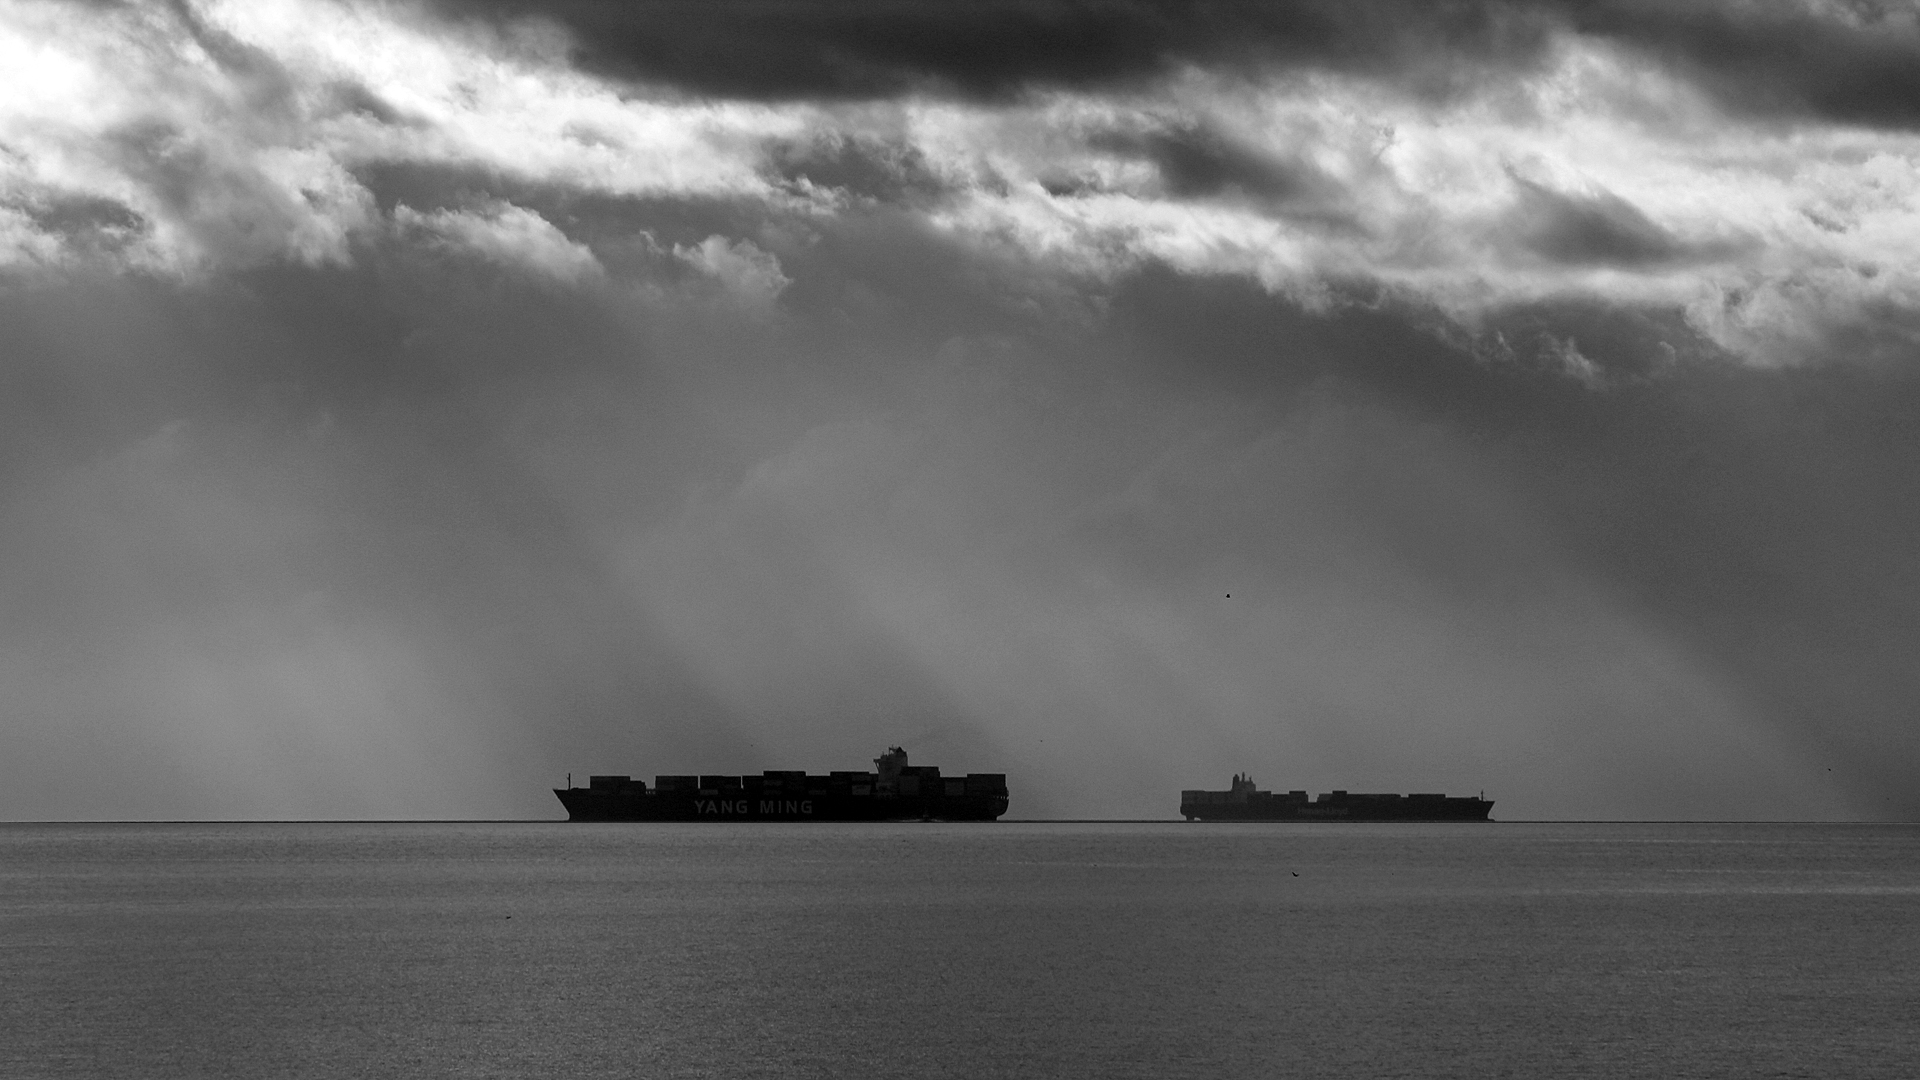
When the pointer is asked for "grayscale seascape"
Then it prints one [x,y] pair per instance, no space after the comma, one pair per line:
[927,950]
[1402,441]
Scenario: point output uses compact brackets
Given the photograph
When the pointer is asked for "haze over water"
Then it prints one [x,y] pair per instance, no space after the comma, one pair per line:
[404,403]
[927,950]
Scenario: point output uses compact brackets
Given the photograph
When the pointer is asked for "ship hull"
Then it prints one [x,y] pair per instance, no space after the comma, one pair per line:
[586,804]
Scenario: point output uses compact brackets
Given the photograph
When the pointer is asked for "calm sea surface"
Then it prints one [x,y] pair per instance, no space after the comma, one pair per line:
[924,950]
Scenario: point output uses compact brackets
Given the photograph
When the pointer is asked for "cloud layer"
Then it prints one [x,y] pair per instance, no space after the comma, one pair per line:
[1590,156]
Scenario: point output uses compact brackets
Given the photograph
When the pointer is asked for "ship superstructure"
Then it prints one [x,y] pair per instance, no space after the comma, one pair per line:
[893,791]
[1244,802]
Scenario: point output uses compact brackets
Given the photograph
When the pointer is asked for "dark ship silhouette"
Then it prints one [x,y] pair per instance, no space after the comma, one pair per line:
[1243,802]
[895,791]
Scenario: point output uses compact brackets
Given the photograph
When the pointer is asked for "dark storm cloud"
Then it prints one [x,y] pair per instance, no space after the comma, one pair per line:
[87,222]
[1504,380]
[352,97]
[1197,162]
[836,49]
[1598,229]
[178,172]
[1849,62]
[1845,61]
[864,167]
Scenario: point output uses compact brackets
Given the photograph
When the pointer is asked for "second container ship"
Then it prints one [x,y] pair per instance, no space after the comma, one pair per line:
[1243,802]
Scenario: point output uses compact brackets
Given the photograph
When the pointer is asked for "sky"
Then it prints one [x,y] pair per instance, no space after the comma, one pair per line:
[404,405]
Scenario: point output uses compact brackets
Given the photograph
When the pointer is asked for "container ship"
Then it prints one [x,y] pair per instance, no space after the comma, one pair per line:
[894,791]
[1243,802]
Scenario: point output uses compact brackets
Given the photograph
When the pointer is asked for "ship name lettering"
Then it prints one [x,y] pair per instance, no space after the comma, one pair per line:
[722,806]
[790,806]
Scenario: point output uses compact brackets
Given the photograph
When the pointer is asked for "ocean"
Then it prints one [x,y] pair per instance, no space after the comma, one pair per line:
[935,950]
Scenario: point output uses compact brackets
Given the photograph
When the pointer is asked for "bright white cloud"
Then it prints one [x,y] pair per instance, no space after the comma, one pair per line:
[510,235]
[745,270]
